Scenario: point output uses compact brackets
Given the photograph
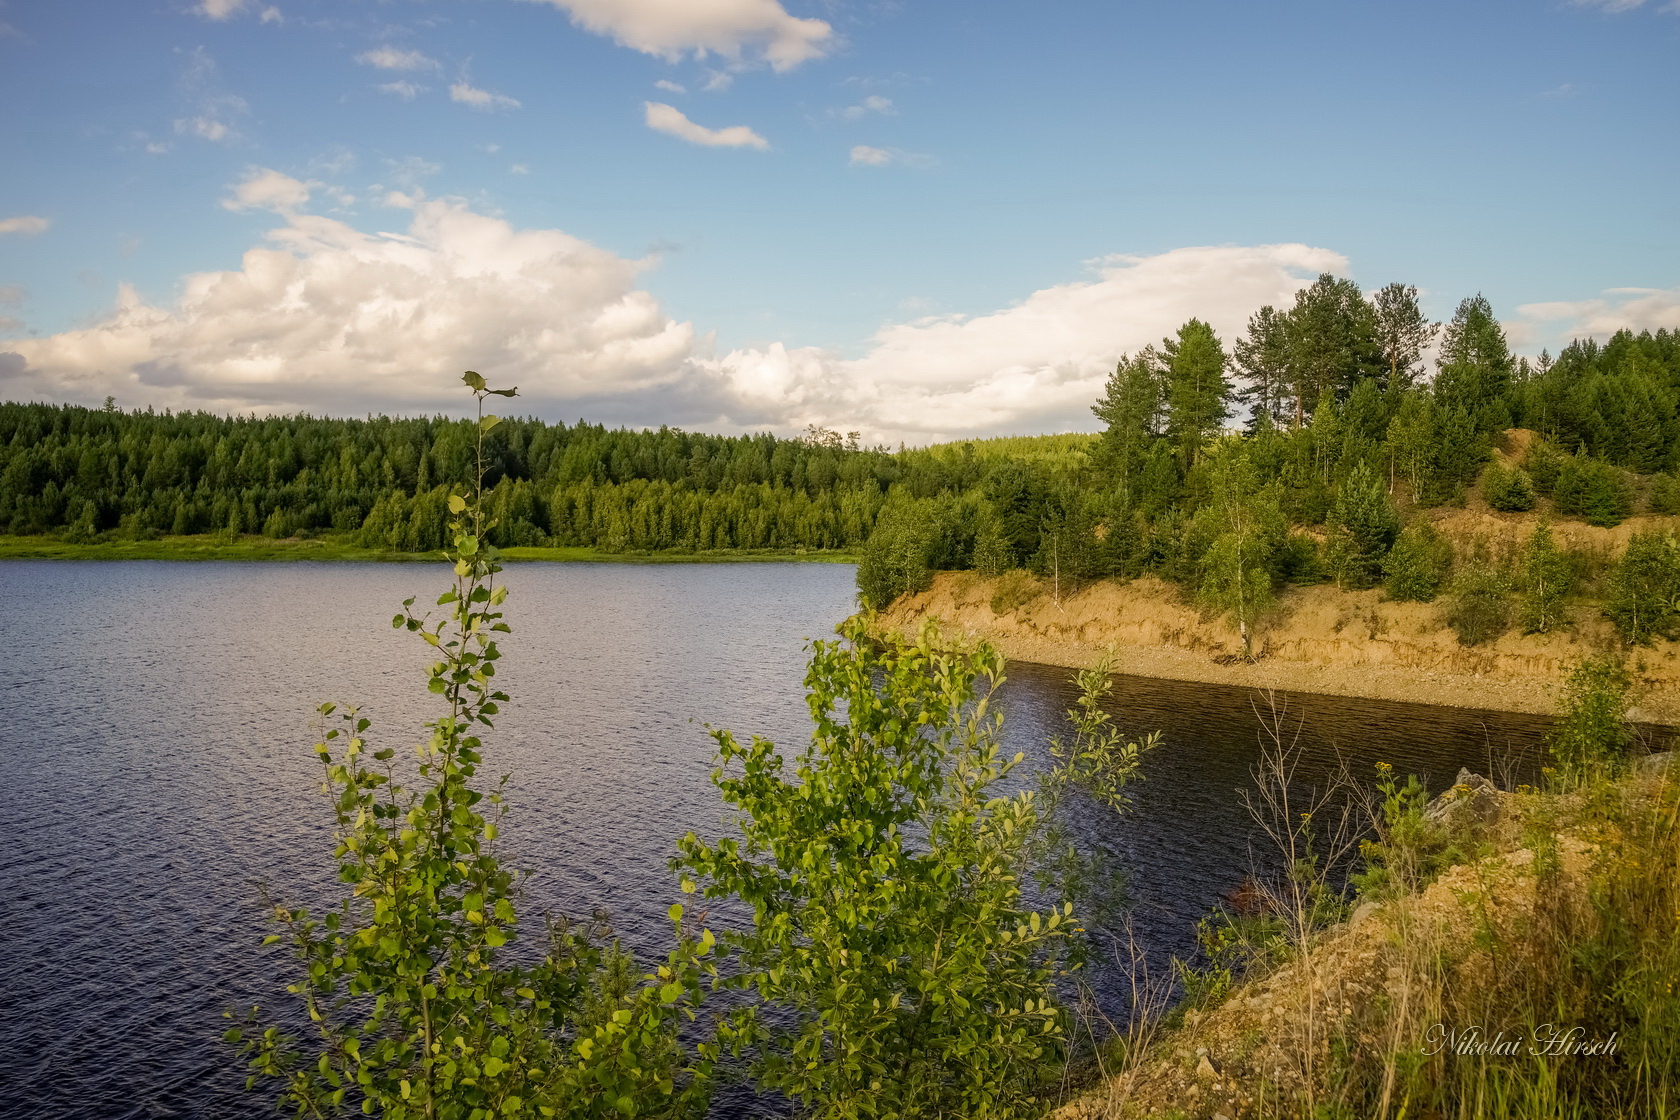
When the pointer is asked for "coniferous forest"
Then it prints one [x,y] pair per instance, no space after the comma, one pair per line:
[1292,454]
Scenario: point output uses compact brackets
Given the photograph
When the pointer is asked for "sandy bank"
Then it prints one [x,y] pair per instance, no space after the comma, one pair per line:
[1317,639]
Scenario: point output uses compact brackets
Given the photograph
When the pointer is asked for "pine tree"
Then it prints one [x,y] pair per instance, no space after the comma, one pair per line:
[1332,343]
[1403,332]
[1363,526]
[1131,409]
[1418,564]
[1261,358]
[1475,367]
[1196,389]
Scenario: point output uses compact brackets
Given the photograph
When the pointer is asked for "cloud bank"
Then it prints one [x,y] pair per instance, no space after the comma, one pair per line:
[738,30]
[322,317]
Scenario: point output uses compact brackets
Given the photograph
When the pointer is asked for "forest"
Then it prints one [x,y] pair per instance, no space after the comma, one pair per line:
[1300,452]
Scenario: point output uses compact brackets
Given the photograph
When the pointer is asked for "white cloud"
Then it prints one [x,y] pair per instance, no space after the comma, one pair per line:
[668,86]
[1637,309]
[206,128]
[24,224]
[393,58]
[480,98]
[272,15]
[408,91]
[738,30]
[266,189]
[717,81]
[220,9]
[669,119]
[1033,367]
[874,103]
[871,157]
[1610,5]
[327,318]
[519,169]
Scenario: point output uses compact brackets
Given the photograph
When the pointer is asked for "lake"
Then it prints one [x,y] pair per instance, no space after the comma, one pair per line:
[156,765]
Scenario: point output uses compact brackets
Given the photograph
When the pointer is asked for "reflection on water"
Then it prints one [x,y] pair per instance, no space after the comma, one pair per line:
[157,764]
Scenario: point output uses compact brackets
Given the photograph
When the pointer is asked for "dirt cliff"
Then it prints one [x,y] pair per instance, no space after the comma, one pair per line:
[1316,639]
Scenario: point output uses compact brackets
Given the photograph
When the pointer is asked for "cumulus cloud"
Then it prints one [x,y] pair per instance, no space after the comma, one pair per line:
[738,30]
[1033,367]
[1637,309]
[670,119]
[480,98]
[669,86]
[25,224]
[324,317]
[394,58]
[871,157]
[266,189]
[272,15]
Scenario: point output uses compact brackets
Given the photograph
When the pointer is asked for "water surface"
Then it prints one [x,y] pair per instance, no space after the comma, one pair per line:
[156,766]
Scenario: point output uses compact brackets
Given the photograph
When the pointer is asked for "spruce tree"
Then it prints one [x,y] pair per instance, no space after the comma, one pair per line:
[1196,389]
[1416,567]
[1363,526]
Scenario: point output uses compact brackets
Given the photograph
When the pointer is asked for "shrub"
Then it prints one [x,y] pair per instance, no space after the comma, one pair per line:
[1594,490]
[1507,490]
[901,969]
[895,557]
[1665,494]
[1543,463]
[1592,734]
[1644,599]
[1418,564]
[1480,609]
[419,944]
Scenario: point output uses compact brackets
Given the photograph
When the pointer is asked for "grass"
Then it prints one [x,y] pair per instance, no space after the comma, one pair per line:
[255,548]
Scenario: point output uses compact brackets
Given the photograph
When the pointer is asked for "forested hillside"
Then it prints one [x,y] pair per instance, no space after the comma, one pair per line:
[1297,453]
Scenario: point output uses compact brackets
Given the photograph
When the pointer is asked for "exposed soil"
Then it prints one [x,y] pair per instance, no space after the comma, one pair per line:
[1316,639]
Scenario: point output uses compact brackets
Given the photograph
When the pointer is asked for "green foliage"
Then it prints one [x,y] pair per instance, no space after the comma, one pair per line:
[1100,760]
[416,1011]
[1196,388]
[1248,532]
[1644,593]
[1480,609]
[900,970]
[1363,527]
[895,559]
[1476,367]
[1592,734]
[1508,490]
[1594,490]
[1547,578]
[1665,494]
[1415,569]
[1408,850]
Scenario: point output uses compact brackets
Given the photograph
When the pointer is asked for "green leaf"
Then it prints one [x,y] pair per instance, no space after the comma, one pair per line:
[473,380]
[457,504]
[487,421]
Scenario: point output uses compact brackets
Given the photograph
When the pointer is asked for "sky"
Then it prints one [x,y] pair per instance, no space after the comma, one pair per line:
[917,220]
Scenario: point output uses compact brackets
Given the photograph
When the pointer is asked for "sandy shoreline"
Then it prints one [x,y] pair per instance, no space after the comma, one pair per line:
[1318,639]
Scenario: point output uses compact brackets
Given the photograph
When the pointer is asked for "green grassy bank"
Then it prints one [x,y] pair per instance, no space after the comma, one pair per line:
[211,546]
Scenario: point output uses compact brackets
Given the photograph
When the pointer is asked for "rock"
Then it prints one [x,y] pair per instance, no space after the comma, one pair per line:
[1472,801]
[1360,913]
[1205,1069]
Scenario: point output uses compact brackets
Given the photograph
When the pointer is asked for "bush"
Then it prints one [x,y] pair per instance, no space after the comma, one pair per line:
[1507,490]
[1547,576]
[1594,490]
[1592,734]
[1543,463]
[1417,565]
[1481,605]
[1665,494]
[895,557]
[1363,526]
[1644,599]
[903,972]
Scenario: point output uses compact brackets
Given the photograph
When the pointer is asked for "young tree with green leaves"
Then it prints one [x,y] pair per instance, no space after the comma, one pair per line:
[1363,526]
[1644,599]
[1249,531]
[1417,566]
[900,970]
[1592,735]
[416,1011]
[1546,581]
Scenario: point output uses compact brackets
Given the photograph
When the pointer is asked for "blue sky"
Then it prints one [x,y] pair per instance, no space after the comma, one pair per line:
[916,219]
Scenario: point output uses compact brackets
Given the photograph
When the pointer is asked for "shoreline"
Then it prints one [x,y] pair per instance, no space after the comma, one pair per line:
[1317,640]
[255,549]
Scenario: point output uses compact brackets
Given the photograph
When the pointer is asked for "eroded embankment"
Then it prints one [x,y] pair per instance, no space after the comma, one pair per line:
[1317,639]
